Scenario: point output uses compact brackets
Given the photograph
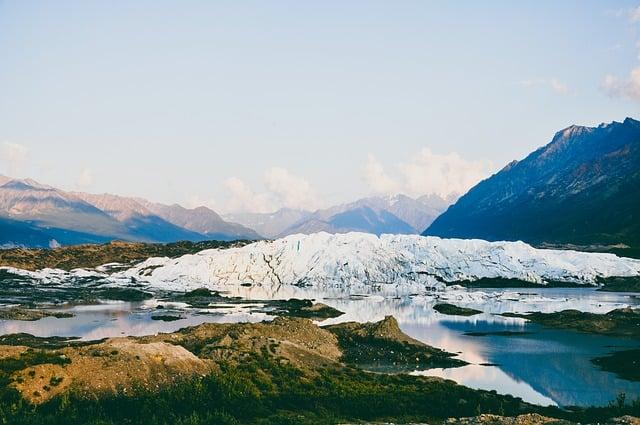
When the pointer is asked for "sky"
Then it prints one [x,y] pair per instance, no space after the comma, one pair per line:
[253,106]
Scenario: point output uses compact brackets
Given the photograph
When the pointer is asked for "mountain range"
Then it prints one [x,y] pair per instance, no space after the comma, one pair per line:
[582,188]
[398,214]
[33,214]
[36,215]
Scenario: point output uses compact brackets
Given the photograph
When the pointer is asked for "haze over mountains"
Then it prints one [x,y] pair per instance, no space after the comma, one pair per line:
[582,188]
[33,214]
[382,214]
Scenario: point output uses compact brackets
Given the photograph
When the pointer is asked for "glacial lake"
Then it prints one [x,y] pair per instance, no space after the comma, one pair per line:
[542,366]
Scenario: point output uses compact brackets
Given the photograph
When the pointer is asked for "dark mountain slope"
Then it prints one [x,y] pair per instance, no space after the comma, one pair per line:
[365,219]
[18,233]
[582,188]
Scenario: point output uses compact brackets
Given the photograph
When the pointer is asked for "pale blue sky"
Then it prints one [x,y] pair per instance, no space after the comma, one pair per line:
[198,101]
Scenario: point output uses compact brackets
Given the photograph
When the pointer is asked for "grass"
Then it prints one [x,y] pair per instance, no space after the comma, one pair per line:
[89,256]
[620,322]
[18,313]
[52,342]
[454,310]
[620,284]
[625,364]
[264,391]
[261,388]
[382,346]
[166,317]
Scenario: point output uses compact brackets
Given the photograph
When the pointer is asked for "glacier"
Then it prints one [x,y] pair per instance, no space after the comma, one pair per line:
[358,263]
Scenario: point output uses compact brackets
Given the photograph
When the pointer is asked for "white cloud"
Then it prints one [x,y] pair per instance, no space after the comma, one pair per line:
[85,178]
[290,190]
[553,83]
[427,173]
[242,198]
[14,158]
[281,189]
[558,86]
[626,87]
[532,82]
[377,179]
[616,13]
[633,14]
[195,201]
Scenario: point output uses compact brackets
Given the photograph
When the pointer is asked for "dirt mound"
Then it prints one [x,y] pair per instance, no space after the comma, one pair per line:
[294,340]
[383,347]
[132,364]
[116,365]
[387,329]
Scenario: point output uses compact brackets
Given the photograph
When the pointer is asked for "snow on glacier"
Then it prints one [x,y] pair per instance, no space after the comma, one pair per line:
[355,262]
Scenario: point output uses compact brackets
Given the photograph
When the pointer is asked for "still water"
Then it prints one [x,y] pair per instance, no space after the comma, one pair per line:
[542,366]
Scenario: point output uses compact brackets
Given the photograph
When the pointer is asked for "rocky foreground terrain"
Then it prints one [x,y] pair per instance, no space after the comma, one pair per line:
[285,371]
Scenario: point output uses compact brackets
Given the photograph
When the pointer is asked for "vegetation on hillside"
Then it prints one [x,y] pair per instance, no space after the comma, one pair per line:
[89,256]
[620,322]
[454,310]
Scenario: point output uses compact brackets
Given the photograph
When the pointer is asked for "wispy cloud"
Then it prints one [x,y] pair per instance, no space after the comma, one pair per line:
[616,13]
[427,173]
[14,159]
[291,190]
[85,179]
[631,14]
[194,201]
[376,177]
[628,87]
[634,15]
[552,83]
[281,188]
[558,86]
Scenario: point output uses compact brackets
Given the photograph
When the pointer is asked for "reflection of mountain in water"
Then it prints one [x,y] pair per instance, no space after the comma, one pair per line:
[555,363]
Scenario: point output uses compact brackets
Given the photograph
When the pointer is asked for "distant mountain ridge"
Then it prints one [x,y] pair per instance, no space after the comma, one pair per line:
[201,220]
[270,225]
[37,215]
[581,188]
[46,207]
[398,214]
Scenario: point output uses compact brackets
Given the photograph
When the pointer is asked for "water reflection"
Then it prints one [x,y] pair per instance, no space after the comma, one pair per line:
[120,319]
[542,366]
[490,378]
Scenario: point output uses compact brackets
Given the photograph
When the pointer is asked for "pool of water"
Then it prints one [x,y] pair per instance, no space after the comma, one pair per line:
[542,366]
